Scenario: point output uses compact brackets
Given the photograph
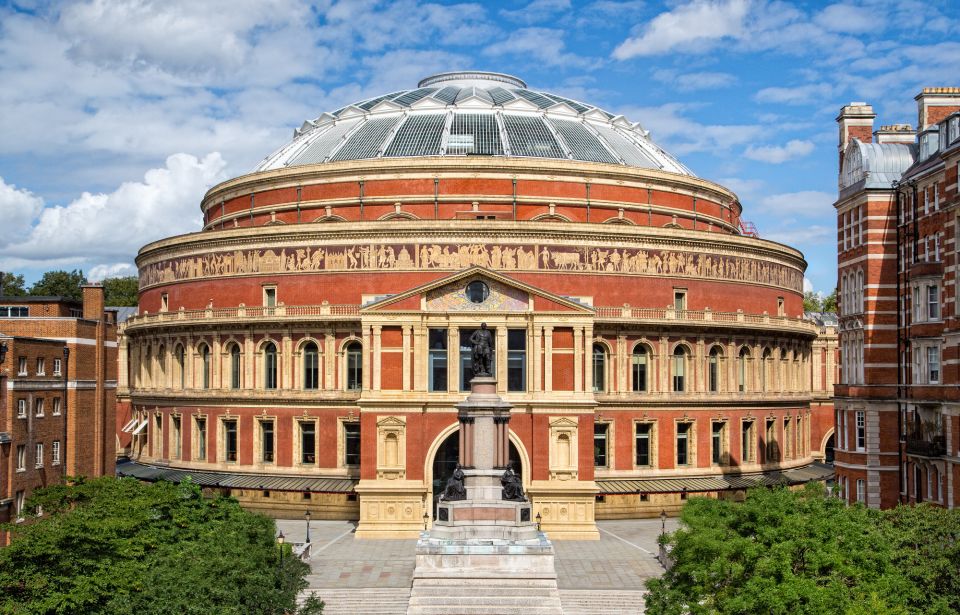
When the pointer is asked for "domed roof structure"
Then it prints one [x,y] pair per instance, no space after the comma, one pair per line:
[472,113]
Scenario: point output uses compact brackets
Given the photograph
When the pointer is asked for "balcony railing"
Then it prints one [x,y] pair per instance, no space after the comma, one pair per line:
[701,316]
[927,446]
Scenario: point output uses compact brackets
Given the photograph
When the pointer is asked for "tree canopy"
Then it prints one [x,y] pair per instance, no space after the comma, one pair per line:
[12,285]
[120,292]
[118,546]
[60,284]
[785,552]
[816,302]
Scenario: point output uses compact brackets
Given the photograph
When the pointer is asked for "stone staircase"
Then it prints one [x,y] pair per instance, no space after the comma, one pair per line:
[602,601]
[363,601]
[479,596]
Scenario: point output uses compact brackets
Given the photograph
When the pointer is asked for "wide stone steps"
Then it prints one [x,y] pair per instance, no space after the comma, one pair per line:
[363,601]
[484,596]
[605,601]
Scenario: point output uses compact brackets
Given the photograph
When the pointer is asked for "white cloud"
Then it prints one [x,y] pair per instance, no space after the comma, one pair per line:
[537,11]
[777,154]
[849,18]
[690,82]
[805,238]
[699,24]
[679,134]
[805,203]
[18,210]
[799,95]
[542,45]
[114,226]
[807,285]
[98,273]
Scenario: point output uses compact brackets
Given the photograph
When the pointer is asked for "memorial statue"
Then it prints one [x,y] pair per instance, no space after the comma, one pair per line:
[454,489]
[482,351]
[512,486]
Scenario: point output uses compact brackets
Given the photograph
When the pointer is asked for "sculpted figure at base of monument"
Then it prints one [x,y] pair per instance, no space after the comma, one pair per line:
[512,486]
[454,489]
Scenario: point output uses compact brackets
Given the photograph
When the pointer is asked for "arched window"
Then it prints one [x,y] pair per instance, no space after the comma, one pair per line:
[713,370]
[178,354]
[311,366]
[354,365]
[860,290]
[270,365]
[679,369]
[204,366]
[742,369]
[639,363]
[765,360]
[599,368]
[146,370]
[161,382]
[234,366]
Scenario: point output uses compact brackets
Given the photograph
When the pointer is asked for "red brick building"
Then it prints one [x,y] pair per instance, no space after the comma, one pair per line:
[308,346]
[58,392]
[897,417]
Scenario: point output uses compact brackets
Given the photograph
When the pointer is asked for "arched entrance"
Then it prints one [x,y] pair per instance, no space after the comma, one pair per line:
[445,460]
[828,450]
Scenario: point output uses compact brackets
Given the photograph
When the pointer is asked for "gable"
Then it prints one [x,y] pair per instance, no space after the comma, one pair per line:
[501,298]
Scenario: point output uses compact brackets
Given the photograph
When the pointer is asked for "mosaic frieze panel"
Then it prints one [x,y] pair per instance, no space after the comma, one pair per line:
[453,298]
[455,257]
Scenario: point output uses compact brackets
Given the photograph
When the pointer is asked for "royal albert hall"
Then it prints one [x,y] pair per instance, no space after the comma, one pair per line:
[306,349]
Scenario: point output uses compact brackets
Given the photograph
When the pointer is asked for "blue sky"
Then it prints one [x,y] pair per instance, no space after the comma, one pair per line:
[117,115]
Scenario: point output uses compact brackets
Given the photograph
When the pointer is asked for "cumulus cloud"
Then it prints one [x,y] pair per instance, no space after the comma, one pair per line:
[849,18]
[798,95]
[18,209]
[778,154]
[537,11]
[698,24]
[98,273]
[805,203]
[690,82]
[113,226]
[670,126]
[543,45]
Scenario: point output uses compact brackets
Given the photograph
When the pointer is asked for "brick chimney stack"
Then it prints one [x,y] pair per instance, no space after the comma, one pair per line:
[934,104]
[895,133]
[855,122]
[93,301]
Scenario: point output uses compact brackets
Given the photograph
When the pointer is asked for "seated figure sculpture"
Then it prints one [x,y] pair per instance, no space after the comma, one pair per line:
[512,486]
[454,489]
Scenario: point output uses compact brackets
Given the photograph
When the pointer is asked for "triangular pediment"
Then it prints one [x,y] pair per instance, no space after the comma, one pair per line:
[508,294]
[391,421]
[563,109]
[563,421]
[520,104]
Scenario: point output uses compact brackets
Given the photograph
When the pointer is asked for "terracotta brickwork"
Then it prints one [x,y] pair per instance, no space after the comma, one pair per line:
[896,403]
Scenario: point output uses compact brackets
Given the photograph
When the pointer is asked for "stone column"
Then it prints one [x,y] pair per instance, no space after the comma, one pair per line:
[123,367]
[537,358]
[664,364]
[420,342]
[406,358]
[548,359]
[248,361]
[188,362]
[288,364]
[578,359]
[377,358]
[329,360]
[622,384]
[365,360]
[588,362]
[453,359]
[216,363]
[500,359]
[699,383]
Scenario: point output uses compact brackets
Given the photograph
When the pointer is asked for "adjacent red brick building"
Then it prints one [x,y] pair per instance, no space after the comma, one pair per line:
[58,392]
[897,416]
[307,348]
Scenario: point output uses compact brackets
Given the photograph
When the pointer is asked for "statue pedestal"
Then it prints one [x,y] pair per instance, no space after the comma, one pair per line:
[484,554]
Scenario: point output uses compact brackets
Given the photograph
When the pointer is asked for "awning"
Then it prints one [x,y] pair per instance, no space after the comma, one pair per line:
[267,482]
[141,426]
[129,426]
[794,476]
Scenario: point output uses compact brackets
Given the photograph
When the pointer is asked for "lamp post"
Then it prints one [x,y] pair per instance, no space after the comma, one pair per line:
[307,515]
[280,539]
[426,519]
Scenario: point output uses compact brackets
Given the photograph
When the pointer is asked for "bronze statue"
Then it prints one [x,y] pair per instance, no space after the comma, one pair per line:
[512,486]
[482,351]
[454,489]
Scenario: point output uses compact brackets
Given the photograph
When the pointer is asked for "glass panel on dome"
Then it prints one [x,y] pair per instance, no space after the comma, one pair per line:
[474,133]
[420,135]
[578,106]
[500,95]
[319,149]
[370,104]
[582,143]
[447,94]
[625,148]
[367,141]
[538,99]
[413,96]
[529,136]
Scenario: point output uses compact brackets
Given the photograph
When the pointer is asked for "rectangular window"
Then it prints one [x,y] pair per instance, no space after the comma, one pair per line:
[21,408]
[57,367]
[933,302]
[201,448]
[157,435]
[41,367]
[164,302]
[230,441]
[269,300]
[600,431]
[746,442]
[55,453]
[311,368]
[20,503]
[437,368]
[466,361]
[22,366]
[780,306]
[933,364]
[175,425]
[861,490]
[21,457]
[56,406]
[644,431]
[354,367]
[787,438]
[683,444]
[351,436]
[266,441]
[679,300]
[517,360]
[917,305]
[773,449]
[717,438]
[38,459]
[861,430]
[638,363]
[308,442]
[38,407]
[13,312]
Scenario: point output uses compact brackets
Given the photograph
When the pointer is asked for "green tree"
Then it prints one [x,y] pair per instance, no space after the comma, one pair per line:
[12,285]
[60,284]
[120,292]
[830,302]
[118,546]
[812,302]
[780,552]
[926,543]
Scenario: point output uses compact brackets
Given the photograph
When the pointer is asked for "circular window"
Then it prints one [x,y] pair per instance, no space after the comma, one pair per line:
[477,291]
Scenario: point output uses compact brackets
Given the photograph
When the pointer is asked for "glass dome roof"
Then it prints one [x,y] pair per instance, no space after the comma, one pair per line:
[472,113]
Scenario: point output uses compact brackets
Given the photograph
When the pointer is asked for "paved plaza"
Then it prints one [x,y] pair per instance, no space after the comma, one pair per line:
[621,560]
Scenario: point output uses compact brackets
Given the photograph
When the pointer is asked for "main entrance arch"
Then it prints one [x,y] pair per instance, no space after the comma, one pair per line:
[445,451]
